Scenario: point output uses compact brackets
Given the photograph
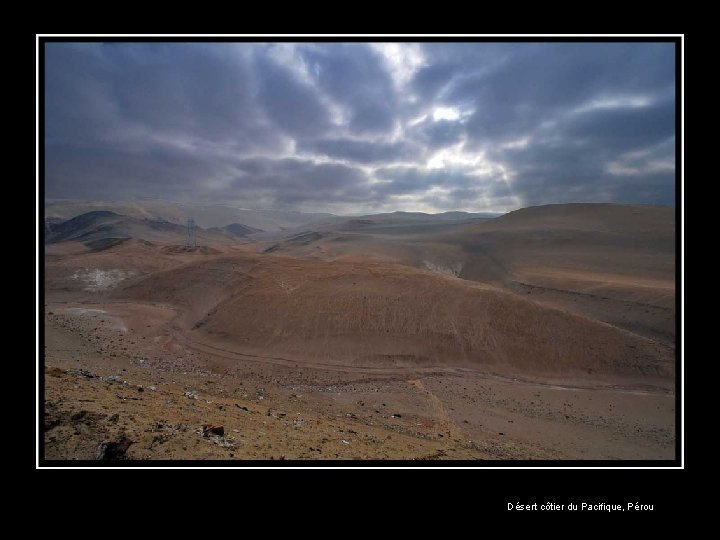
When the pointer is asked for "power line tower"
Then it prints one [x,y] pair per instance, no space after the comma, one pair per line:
[191,233]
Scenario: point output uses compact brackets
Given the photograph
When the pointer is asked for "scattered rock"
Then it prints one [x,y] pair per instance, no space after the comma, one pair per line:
[113,450]
[209,429]
[78,416]
[191,395]
[159,439]
[55,372]
[85,373]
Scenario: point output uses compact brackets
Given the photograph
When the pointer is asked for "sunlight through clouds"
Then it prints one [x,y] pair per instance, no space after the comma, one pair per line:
[346,126]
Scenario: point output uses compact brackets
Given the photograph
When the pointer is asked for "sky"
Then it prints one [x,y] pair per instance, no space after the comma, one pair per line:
[353,128]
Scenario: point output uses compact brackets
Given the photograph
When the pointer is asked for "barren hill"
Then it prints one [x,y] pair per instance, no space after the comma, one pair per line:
[547,333]
[615,263]
[205,216]
[376,315]
[103,225]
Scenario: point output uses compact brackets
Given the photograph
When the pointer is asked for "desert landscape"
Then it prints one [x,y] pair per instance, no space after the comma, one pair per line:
[547,333]
[453,252]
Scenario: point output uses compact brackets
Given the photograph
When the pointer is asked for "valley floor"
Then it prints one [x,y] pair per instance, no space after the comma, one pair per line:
[115,369]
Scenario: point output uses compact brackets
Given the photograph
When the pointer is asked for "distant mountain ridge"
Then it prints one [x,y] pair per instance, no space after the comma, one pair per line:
[237,230]
[205,216]
[102,224]
[219,216]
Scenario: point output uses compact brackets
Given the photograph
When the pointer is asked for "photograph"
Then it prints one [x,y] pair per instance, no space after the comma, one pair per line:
[376,251]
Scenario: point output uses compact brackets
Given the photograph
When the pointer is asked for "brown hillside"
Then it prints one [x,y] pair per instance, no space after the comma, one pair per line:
[366,315]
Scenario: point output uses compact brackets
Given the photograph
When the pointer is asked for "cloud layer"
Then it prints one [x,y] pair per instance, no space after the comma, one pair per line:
[353,128]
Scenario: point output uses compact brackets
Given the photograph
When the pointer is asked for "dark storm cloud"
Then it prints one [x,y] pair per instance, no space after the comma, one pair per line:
[430,80]
[352,127]
[352,74]
[358,150]
[289,180]
[536,82]
[437,133]
[291,104]
[399,180]
[198,91]
[622,128]
[444,189]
